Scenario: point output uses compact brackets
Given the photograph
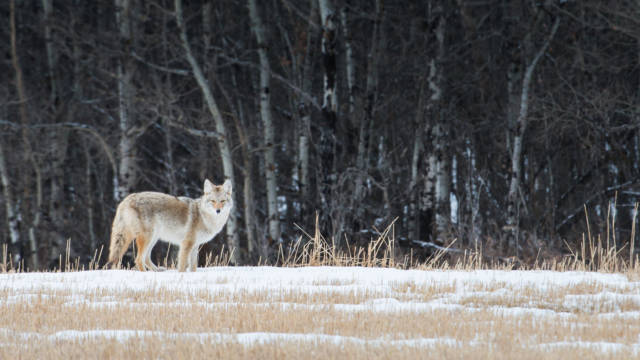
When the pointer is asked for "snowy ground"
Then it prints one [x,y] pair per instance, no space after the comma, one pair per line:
[540,312]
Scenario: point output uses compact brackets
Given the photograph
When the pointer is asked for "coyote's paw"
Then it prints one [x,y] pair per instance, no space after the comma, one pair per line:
[161,268]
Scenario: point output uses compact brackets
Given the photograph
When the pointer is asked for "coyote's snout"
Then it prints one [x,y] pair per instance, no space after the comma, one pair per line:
[149,216]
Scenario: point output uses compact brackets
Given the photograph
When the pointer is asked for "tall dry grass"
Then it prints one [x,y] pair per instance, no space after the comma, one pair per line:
[594,254]
[465,320]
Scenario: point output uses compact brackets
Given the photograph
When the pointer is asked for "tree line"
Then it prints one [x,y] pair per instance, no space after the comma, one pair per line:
[508,125]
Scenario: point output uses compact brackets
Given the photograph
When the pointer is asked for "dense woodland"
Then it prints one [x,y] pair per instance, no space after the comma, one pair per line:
[503,124]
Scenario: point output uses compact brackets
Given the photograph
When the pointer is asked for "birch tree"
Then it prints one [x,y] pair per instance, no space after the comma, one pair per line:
[128,167]
[7,191]
[418,145]
[57,139]
[351,68]
[450,82]
[52,55]
[29,155]
[88,173]
[435,195]
[249,201]
[521,125]
[371,94]
[265,112]
[442,127]
[221,131]
[305,113]
[329,116]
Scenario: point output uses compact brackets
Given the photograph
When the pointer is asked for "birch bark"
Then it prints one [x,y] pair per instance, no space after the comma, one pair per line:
[441,131]
[369,111]
[436,191]
[551,191]
[305,116]
[222,135]
[521,124]
[249,201]
[267,120]
[56,140]
[28,151]
[415,162]
[11,213]
[351,69]
[87,179]
[128,167]
[52,56]
[329,117]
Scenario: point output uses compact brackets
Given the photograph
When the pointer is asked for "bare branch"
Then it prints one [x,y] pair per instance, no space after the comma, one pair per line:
[311,22]
[196,132]
[572,216]
[277,77]
[74,126]
[159,67]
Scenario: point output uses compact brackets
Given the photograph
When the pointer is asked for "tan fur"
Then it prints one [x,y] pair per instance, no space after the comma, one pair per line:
[149,216]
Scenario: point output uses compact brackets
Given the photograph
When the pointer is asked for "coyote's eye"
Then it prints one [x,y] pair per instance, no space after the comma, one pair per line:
[223,201]
[213,201]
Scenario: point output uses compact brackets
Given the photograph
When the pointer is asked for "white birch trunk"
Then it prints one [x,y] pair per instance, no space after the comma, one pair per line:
[22,96]
[443,179]
[207,36]
[249,202]
[267,120]
[471,193]
[351,69]
[521,124]
[52,56]
[305,117]
[329,117]
[435,194]
[223,138]
[33,242]
[303,176]
[12,215]
[369,110]
[128,166]
[56,140]
[551,193]
[87,179]
[514,81]
[427,203]
[440,135]
[415,162]
[207,21]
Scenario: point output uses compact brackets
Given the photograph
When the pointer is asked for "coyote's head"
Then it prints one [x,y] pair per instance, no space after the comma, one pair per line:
[217,199]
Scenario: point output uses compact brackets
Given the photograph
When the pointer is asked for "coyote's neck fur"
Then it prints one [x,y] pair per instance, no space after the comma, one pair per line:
[150,216]
[207,222]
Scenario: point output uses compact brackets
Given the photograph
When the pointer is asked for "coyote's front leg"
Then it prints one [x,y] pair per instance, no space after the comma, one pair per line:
[193,259]
[185,250]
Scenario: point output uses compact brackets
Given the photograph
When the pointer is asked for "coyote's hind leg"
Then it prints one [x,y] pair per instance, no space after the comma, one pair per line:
[142,245]
[147,258]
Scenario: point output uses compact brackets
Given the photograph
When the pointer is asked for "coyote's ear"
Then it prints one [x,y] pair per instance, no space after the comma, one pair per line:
[208,187]
[226,187]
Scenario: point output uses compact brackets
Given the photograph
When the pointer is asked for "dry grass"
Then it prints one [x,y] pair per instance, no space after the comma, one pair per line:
[463,319]
[187,324]
[154,348]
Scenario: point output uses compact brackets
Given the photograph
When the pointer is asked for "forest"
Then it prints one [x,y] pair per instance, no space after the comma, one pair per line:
[510,126]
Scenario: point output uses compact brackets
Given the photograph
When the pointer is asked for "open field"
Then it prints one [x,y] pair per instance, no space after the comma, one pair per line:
[319,312]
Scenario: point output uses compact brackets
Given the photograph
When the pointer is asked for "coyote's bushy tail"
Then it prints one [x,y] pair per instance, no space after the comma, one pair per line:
[120,240]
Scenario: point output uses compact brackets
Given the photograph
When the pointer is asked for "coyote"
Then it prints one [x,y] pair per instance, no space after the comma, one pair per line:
[150,216]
